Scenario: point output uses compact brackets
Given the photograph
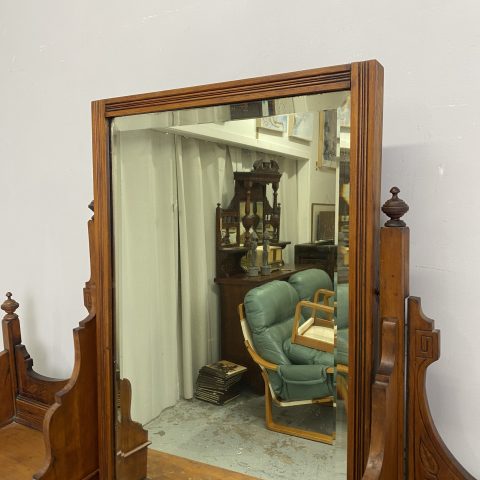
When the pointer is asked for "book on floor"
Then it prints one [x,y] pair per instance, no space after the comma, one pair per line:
[223,369]
[218,383]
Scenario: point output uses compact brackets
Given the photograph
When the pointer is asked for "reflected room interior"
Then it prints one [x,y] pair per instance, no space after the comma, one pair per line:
[231,247]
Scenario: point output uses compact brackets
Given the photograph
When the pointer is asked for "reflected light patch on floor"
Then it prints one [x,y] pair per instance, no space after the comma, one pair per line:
[234,437]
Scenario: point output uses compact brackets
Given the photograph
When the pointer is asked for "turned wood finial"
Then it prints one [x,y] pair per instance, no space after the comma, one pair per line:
[395,208]
[9,306]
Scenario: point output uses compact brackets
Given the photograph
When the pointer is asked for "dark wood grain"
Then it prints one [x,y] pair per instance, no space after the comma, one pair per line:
[304,82]
[365,174]
[386,455]
[31,392]
[7,404]
[31,384]
[384,407]
[428,456]
[71,424]
[102,270]
[394,289]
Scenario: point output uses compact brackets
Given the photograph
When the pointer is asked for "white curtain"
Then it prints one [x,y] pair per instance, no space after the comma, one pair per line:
[165,190]
[203,171]
[146,273]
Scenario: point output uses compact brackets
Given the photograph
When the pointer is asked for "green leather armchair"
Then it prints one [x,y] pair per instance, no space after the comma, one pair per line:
[293,374]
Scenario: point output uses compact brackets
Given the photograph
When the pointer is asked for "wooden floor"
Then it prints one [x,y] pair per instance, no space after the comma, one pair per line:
[162,466]
[22,452]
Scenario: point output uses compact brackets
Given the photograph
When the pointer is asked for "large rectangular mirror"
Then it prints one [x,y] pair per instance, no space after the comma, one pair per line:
[237,255]
[279,172]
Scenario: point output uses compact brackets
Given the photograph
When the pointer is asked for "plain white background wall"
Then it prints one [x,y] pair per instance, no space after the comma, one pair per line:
[55,57]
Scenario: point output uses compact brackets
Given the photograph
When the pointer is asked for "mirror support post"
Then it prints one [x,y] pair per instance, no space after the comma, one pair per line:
[386,455]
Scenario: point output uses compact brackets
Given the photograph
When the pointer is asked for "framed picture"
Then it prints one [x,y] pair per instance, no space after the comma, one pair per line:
[323,222]
[277,123]
[333,135]
[328,140]
[300,126]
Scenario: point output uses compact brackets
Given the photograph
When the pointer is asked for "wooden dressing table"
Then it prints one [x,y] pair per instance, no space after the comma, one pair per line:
[391,435]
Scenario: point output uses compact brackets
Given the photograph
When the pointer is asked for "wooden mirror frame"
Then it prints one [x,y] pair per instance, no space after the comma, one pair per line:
[365,82]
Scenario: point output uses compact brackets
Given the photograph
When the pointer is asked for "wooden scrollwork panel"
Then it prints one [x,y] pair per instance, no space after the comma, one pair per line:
[71,424]
[428,456]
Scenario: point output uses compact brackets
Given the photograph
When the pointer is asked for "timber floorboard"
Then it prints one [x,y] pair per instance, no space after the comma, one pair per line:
[163,466]
[22,452]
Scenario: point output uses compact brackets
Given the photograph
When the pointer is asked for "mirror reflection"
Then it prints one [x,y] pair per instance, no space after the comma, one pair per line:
[231,231]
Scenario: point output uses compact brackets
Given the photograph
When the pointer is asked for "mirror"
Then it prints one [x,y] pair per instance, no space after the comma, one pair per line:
[231,254]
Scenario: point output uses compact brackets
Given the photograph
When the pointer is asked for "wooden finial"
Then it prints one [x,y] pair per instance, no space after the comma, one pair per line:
[395,208]
[9,306]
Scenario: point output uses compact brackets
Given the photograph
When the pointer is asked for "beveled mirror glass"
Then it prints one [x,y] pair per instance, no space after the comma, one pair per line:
[183,266]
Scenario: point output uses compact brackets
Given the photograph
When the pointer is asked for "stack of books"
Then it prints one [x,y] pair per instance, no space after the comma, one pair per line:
[218,383]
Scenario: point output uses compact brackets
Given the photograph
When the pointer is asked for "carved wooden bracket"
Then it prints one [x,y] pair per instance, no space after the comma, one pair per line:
[32,393]
[428,456]
[71,424]
[72,420]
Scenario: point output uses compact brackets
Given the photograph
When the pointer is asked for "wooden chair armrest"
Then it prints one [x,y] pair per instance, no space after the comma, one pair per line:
[314,307]
[327,294]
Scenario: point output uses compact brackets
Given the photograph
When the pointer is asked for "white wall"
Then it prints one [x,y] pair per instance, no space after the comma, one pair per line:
[57,56]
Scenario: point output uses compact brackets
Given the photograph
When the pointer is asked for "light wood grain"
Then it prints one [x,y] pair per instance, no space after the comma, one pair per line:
[22,451]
